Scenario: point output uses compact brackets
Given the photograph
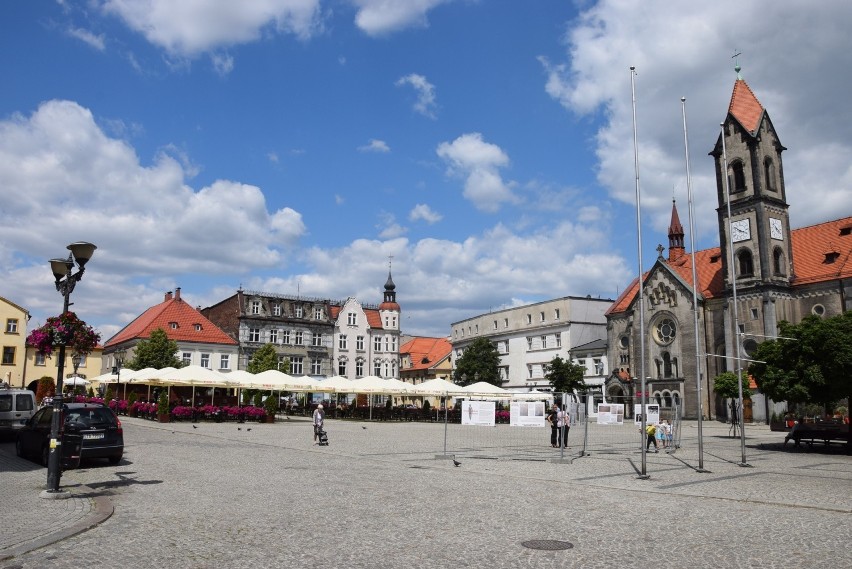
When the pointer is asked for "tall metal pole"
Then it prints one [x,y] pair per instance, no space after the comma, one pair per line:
[694,292]
[54,466]
[640,295]
[733,277]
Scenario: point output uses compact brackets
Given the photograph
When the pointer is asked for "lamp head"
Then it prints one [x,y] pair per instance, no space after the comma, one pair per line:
[60,268]
[82,252]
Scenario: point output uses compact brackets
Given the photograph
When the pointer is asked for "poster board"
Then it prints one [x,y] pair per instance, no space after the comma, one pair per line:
[610,413]
[526,413]
[652,414]
[481,413]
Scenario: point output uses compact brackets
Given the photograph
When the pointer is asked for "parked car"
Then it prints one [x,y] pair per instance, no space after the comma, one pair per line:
[16,407]
[100,429]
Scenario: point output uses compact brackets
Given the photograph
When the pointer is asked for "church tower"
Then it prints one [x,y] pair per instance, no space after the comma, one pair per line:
[760,223]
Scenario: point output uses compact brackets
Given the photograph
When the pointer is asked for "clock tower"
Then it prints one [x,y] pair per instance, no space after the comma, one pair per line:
[760,224]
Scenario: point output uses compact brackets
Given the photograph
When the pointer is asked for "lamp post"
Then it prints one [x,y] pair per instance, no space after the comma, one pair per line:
[76,360]
[119,362]
[66,279]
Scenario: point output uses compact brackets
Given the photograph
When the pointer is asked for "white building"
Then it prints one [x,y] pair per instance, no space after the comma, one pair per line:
[529,337]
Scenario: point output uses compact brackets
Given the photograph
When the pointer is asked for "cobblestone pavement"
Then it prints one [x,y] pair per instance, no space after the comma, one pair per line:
[228,495]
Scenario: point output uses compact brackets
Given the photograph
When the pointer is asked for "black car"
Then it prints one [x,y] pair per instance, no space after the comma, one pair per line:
[100,429]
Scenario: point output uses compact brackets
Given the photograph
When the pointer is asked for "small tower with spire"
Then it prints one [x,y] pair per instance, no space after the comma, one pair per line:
[389,308]
[676,248]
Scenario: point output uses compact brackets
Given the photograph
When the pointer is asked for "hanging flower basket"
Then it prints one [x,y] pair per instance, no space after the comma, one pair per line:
[67,330]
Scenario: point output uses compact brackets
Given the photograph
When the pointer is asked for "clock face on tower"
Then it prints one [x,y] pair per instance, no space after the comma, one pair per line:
[775,228]
[740,230]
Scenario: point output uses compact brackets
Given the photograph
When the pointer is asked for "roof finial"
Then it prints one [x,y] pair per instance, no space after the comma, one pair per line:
[390,262]
[737,67]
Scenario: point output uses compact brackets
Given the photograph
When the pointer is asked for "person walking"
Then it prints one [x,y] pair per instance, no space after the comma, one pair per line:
[563,424]
[651,431]
[319,419]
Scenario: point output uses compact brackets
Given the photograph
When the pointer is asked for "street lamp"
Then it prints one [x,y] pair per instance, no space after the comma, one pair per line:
[66,279]
[119,361]
[76,360]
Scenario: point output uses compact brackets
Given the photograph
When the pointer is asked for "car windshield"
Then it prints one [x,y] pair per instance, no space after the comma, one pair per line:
[96,416]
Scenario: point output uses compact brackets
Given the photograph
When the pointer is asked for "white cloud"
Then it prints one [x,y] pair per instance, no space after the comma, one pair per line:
[377,17]
[389,227]
[186,29]
[479,163]
[426,213]
[272,157]
[688,53]
[222,63]
[425,104]
[375,146]
[96,41]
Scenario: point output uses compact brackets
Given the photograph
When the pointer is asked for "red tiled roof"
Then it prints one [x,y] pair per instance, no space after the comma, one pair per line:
[374,319]
[425,352]
[745,107]
[172,310]
[810,247]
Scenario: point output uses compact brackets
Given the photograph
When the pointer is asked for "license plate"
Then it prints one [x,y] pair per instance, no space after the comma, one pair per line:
[93,436]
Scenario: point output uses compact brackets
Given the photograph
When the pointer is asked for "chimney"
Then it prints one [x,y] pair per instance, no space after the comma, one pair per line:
[168,296]
[177,293]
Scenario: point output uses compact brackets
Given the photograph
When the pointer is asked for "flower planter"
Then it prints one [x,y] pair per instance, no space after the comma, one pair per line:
[269,419]
[163,417]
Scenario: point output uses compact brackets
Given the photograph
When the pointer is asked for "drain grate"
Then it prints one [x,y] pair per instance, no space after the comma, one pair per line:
[547,544]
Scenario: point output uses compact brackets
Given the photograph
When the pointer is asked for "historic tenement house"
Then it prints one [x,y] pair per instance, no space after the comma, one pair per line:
[316,337]
[781,274]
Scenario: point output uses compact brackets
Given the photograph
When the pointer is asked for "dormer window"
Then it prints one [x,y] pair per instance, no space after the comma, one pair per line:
[846,230]
[830,257]
[173,325]
[198,327]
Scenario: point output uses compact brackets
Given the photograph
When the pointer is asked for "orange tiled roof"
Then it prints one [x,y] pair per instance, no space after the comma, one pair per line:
[374,319]
[172,310]
[745,107]
[813,246]
[425,352]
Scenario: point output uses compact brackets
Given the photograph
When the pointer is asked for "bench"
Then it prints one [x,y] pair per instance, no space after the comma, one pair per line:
[826,432]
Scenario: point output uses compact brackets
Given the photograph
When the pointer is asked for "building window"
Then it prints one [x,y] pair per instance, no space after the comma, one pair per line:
[769,174]
[298,339]
[316,339]
[255,307]
[12,326]
[556,314]
[739,176]
[505,323]
[664,331]
[273,336]
[205,360]
[8,355]
[359,367]
[224,361]
[529,371]
[341,367]
[283,363]
[746,265]
[754,313]
[599,367]
[377,368]
[39,359]
[388,344]
[299,311]
[351,319]
[558,337]
[316,366]
[317,312]
[342,342]
[541,316]
[186,358]
[254,334]
[296,363]
[495,325]
[359,343]
[377,344]
[276,310]
[778,262]
[285,337]
[529,318]
[198,327]
[818,310]
[173,325]
[529,342]
[477,328]
[543,342]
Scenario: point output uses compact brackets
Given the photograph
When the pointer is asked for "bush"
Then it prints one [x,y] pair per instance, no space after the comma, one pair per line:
[46,388]
[258,399]
[163,404]
[426,406]
[271,405]
[131,399]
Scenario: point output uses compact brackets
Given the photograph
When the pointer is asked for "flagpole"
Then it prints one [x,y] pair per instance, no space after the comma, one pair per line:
[640,296]
[698,352]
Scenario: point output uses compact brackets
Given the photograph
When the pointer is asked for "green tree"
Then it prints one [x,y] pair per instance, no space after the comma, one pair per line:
[265,358]
[814,365]
[565,376]
[158,351]
[478,363]
[725,386]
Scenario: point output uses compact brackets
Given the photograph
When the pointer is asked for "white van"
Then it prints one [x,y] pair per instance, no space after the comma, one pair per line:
[16,407]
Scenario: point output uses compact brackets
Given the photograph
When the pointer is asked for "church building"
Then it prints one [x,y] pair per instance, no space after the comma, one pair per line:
[781,274]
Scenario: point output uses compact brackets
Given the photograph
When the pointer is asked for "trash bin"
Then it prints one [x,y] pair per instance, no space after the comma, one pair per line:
[72,448]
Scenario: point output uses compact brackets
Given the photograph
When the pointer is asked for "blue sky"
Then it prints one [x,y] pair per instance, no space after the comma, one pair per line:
[295,145]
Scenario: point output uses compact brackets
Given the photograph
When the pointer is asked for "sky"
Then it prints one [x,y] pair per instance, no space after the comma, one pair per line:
[482,150]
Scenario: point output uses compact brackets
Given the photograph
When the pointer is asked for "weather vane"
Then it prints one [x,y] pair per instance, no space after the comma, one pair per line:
[737,67]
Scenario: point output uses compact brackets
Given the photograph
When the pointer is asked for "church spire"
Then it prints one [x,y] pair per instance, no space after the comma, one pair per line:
[676,248]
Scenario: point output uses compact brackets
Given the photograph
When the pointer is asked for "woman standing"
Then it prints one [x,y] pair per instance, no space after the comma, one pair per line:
[319,418]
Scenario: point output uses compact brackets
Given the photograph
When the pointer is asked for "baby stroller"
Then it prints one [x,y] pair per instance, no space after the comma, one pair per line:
[322,437]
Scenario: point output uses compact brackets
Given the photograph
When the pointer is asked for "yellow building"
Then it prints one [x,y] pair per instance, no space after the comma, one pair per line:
[38,366]
[14,336]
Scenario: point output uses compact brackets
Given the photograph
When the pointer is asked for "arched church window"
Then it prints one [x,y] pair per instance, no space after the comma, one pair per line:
[667,364]
[750,347]
[739,176]
[667,399]
[746,263]
[778,262]
[769,174]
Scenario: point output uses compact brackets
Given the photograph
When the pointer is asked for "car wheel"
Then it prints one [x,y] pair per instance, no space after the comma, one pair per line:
[115,459]
[45,455]
[19,448]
